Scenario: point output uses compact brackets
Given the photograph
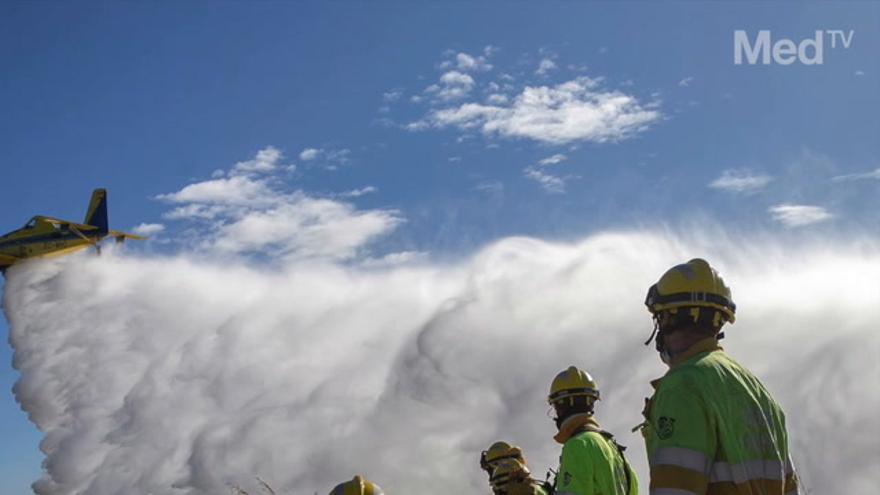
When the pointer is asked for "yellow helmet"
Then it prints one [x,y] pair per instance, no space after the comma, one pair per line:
[507,471]
[692,284]
[498,451]
[357,486]
[502,450]
[572,383]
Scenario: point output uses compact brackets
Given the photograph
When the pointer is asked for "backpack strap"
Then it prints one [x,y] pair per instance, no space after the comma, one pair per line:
[620,449]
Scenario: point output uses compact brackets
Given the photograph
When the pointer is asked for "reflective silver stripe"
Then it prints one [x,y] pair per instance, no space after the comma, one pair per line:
[789,471]
[671,491]
[682,457]
[748,470]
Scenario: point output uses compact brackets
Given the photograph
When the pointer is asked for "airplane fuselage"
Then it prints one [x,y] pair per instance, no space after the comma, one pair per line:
[46,237]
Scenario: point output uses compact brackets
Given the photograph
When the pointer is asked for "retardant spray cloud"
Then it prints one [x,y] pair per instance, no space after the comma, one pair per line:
[176,376]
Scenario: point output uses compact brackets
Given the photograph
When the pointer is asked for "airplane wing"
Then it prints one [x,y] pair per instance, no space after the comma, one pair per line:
[121,236]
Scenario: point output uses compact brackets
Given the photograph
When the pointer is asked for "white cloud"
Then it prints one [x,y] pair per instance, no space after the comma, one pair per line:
[550,183]
[148,229]
[456,78]
[419,125]
[356,193]
[860,73]
[874,174]
[467,62]
[235,190]
[799,215]
[249,214]
[577,110]
[338,156]
[396,259]
[453,85]
[266,161]
[491,188]
[545,66]
[391,96]
[195,211]
[740,181]
[331,156]
[302,227]
[553,160]
[309,154]
[685,82]
[497,99]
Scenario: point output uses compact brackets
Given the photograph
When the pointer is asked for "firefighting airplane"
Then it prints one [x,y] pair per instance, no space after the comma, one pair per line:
[45,237]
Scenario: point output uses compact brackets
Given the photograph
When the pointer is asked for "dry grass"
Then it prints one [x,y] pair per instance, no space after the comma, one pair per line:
[264,487]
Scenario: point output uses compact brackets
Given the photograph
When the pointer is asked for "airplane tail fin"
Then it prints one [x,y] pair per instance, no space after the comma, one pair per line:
[96,215]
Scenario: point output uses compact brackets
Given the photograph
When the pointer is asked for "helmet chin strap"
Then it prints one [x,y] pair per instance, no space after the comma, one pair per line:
[654,333]
[659,344]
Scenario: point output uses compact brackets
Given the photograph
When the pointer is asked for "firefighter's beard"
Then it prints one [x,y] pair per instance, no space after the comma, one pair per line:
[662,348]
[665,357]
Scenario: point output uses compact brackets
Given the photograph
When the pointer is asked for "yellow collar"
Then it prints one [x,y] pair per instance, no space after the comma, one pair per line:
[708,344]
[575,423]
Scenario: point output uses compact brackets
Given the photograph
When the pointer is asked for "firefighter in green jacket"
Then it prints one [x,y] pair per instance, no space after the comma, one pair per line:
[502,451]
[591,461]
[711,426]
[498,452]
[512,477]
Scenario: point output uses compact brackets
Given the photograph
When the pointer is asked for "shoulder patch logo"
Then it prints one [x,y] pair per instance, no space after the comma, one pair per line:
[665,427]
[566,478]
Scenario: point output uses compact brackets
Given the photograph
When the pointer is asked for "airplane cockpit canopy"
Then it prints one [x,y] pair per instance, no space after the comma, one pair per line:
[32,223]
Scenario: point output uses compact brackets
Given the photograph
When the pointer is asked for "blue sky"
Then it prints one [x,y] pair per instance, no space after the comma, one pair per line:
[409,124]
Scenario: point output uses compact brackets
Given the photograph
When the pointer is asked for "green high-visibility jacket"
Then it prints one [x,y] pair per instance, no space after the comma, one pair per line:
[712,428]
[527,487]
[591,464]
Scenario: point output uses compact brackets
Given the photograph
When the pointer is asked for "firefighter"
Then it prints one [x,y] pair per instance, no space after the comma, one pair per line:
[592,462]
[511,477]
[711,427]
[497,452]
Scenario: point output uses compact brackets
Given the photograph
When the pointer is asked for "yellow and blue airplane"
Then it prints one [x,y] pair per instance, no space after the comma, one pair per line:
[45,237]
